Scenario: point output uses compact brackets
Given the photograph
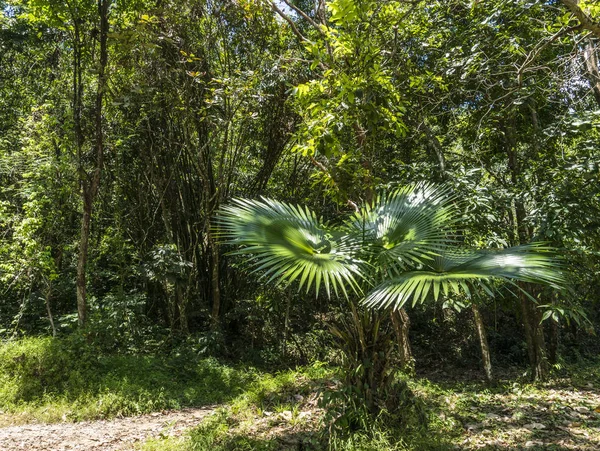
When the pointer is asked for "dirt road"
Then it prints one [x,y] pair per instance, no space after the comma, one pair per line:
[103,435]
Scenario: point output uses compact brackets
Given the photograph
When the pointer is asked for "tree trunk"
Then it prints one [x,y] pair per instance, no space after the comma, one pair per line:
[534,334]
[47,296]
[435,144]
[182,308]
[286,323]
[584,18]
[171,304]
[216,290]
[593,72]
[483,343]
[84,241]
[401,323]
[553,342]
[541,362]
[90,183]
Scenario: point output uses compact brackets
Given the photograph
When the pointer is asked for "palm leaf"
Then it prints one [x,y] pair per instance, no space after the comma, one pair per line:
[407,226]
[451,272]
[290,243]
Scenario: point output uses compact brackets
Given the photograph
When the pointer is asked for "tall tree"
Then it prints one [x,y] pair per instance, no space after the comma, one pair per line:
[89,179]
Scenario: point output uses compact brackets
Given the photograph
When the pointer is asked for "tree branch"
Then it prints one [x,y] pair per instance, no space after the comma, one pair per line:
[584,18]
[311,22]
[289,21]
[305,16]
[531,56]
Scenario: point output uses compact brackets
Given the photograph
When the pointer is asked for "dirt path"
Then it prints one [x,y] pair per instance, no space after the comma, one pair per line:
[103,435]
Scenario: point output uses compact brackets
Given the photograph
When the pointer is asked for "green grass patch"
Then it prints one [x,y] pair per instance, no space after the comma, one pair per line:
[214,434]
[52,380]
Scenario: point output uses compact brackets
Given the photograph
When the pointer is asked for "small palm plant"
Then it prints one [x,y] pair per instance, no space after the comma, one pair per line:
[399,249]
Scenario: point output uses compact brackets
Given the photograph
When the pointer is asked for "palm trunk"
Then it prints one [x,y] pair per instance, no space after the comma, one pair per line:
[401,323]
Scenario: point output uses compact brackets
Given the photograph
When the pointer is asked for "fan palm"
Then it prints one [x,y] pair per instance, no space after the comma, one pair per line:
[398,249]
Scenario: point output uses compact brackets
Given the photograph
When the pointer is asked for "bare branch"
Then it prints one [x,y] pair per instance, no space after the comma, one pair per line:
[312,23]
[289,21]
[531,56]
[305,16]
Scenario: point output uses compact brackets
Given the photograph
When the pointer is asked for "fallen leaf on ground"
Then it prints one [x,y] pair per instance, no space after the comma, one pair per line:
[533,426]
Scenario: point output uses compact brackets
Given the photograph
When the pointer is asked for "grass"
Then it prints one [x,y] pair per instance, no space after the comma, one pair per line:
[560,415]
[55,380]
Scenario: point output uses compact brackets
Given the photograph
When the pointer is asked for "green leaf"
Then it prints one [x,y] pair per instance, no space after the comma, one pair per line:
[530,263]
[288,242]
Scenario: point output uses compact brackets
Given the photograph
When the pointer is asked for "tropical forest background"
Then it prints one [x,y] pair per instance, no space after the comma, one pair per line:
[128,126]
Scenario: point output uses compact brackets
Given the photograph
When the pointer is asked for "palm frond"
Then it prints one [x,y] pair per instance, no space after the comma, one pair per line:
[289,242]
[407,226]
[452,272]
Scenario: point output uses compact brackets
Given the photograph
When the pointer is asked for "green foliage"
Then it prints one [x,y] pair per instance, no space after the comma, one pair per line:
[347,413]
[50,379]
[208,101]
[281,389]
[36,367]
[403,238]
[353,88]
[213,434]
[448,274]
[292,244]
